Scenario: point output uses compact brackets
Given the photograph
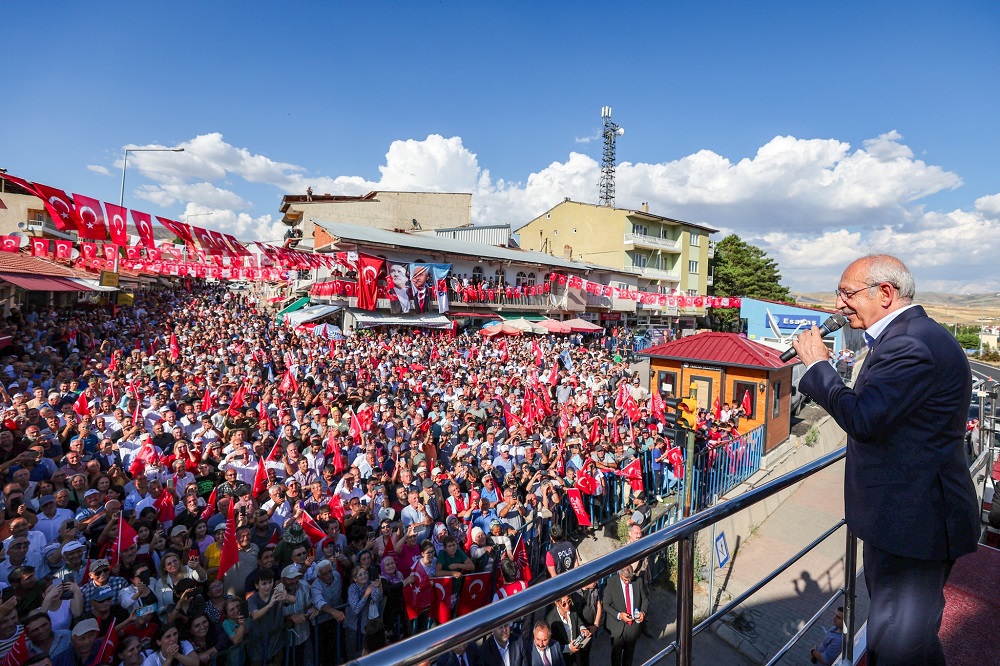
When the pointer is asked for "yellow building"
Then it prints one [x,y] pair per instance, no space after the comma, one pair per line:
[667,255]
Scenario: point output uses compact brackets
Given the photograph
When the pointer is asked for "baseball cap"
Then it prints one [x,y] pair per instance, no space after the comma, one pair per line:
[85,627]
[291,571]
[71,546]
[97,564]
[90,492]
[178,529]
[102,593]
[45,500]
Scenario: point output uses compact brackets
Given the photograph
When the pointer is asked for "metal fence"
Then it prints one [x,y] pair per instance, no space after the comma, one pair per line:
[719,469]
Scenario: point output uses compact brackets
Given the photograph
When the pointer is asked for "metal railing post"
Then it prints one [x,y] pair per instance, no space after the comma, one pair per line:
[850,596]
[685,599]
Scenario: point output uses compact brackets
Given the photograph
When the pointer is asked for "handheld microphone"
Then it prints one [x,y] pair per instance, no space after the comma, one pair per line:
[833,323]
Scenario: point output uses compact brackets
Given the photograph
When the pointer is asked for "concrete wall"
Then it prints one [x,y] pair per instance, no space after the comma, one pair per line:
[391,210]
[17,209]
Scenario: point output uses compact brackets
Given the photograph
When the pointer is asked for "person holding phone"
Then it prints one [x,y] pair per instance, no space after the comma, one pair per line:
[625,601]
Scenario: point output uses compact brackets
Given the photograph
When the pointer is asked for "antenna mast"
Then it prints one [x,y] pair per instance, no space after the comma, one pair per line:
[611,133]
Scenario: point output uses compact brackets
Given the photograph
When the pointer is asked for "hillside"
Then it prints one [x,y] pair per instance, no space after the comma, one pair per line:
[946,308]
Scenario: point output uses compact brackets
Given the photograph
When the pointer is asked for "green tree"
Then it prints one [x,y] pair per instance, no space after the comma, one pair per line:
[742,269]
[968,340]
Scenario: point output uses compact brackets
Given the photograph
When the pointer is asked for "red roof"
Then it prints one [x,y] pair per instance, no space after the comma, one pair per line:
[720,349]
[15,262]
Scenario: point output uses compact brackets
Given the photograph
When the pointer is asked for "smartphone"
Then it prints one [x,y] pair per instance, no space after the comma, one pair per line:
[193,553]
[145,610]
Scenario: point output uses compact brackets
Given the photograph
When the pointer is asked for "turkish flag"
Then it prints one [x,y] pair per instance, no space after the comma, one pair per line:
[337,508]
[154,253]
[230,550]
[117,224]
[576,501]
[175,348]
[554,374]
[127,537]
[88,251]
[238,401]
[633,472]
[333,449]
[477,591]
[203,239]
[91,214]
[10,243]
[441,605]
[417,597]
[59,206]
[657,406]
[40,247]
[64,249]
[747,407]
[164,506]
[311,528]
[586,483]
[109,646]
[110,251]
[369,269]
[179,229]
[144,227]
[536,349]
[355,427]
[146,455]
[717,408]
[82,404]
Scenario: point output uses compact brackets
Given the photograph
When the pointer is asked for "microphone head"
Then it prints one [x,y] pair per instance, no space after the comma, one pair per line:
[835,322]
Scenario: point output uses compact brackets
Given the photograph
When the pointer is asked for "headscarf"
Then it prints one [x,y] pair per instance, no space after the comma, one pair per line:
[396,576]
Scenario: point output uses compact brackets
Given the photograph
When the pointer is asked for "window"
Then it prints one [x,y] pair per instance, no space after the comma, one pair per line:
[695,239]
[776,400]
[548,216]
[692,267]
[500,275]
[741,389]
[477,273]
[574,230]
[531,279]
[520,279]
[666,383]
[36,216]
[692,292]
[639,260]
[640,229]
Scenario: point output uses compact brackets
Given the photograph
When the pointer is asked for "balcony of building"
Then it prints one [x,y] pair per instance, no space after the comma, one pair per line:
[654,273]
[633,240]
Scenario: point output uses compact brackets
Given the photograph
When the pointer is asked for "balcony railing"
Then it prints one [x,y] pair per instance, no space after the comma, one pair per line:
[654,273]
[654,241]
[425,646]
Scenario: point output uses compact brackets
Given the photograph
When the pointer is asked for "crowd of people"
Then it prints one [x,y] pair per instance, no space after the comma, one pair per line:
[190,479]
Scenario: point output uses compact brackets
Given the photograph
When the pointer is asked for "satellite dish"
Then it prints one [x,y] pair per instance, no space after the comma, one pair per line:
[74,254]
[621,131]
[22,238]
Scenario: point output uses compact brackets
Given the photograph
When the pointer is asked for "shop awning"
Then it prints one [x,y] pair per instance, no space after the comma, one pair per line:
[296,305]
[583,326]
[92,285]
[42,282]
[366,319]
[311,313]
[530,316]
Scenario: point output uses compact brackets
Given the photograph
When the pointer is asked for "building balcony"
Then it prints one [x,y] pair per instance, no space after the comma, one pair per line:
[642,240]
[654,273]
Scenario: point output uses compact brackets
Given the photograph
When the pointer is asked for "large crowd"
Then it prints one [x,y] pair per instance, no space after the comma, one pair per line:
[189,479]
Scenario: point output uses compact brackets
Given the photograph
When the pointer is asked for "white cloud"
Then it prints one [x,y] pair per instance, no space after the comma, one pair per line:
[97,168]
[812,204]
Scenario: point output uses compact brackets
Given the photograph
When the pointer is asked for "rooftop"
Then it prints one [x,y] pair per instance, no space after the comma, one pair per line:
[371,236]
[15,262]
[720,348]
[629,212]
[290,199]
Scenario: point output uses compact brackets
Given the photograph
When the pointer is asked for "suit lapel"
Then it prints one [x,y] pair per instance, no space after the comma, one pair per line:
[896,327]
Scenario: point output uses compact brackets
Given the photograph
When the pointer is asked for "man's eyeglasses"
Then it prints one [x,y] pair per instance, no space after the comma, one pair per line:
[845,295]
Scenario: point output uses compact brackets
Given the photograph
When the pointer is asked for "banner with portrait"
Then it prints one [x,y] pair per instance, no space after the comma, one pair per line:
[398,287]
[429,288]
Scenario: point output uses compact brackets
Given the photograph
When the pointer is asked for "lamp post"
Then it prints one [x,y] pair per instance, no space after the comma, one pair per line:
[121,198]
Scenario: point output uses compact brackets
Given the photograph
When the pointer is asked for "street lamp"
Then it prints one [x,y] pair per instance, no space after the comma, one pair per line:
[121,198]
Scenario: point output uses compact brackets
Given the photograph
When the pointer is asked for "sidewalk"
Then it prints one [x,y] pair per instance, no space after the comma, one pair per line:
[772,616]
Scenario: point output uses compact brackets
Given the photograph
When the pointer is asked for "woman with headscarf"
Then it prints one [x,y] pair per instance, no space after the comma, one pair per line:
[393,614]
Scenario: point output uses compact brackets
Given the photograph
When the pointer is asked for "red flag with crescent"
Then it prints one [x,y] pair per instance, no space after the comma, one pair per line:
[230,549]
[747,407]
[477,591]
[633,472]
[40,247]
[91,214]
[59,206]
[175,348]
[369,270]
[117,224]
[311,528]
[441,606]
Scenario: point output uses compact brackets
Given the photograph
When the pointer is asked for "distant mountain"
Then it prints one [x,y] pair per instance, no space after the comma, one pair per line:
[988,300]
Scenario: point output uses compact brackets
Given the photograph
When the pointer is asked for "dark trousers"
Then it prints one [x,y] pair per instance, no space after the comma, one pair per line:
[907,602]
[622,650]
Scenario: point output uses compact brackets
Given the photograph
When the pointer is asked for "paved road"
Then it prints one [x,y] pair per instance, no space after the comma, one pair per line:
[783,607]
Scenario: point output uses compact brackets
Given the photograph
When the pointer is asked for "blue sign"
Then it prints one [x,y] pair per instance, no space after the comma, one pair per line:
[721,550]
[794,321]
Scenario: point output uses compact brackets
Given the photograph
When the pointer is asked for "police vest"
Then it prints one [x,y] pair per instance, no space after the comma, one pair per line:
[563,554]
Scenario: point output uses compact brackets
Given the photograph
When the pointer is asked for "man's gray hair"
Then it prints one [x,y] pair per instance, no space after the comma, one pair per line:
[889,269]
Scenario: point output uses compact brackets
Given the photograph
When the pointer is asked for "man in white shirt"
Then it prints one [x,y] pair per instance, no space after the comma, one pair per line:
[50,517]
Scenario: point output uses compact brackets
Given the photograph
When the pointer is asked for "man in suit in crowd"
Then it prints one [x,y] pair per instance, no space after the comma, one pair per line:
[907,489]
[544,651]
[466,654]
[422,295]
[566,627]
[625,605]
[501,642]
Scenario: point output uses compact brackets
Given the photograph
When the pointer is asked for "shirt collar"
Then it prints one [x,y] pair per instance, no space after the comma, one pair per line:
[875,330]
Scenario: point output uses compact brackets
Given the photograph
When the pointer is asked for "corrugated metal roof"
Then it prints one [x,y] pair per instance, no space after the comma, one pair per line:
[720,348]
[356,234]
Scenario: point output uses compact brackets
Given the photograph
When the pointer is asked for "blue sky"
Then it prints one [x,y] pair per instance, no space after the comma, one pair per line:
[817,132]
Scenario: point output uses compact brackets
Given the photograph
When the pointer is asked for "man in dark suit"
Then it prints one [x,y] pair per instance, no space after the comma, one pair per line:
[421,295]
[625,605]
[501,642]
[566,627]
[907,489]
[544,651]
[463,655]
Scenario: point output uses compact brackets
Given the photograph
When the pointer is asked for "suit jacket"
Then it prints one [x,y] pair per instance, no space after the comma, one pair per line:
[472,656]
[554,652]
[490,653]
[907,487]
[430,302]
[614,603]
[558,629]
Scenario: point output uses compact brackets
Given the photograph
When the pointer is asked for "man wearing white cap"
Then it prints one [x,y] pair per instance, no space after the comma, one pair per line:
[297,609]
